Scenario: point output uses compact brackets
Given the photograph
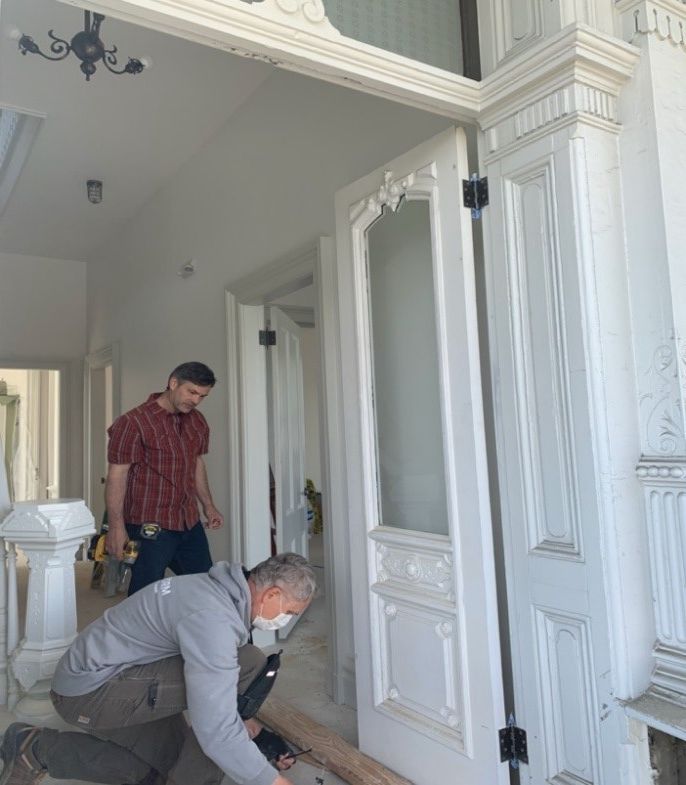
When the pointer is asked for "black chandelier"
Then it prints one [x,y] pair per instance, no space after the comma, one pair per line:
[87,46]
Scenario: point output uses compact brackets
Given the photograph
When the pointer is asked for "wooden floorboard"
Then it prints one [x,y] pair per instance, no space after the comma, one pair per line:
[328,748]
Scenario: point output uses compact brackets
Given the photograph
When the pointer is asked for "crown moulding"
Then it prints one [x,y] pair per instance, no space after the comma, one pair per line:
[296,35]
[578,55]
[662,19]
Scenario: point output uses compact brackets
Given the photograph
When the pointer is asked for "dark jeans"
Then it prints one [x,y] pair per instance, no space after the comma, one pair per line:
[130,738]
[185,553]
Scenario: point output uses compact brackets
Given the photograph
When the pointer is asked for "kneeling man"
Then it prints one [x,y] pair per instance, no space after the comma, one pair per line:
[178,644]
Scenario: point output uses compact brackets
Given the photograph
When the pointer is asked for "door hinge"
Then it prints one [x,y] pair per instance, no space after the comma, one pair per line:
[513,747]
[475,194]
[267,337]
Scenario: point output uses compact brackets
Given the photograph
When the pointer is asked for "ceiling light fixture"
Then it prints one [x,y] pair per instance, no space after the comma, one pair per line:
[94,190]
[87,46]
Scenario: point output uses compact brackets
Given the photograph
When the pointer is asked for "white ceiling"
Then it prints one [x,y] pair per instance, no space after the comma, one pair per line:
[131,132]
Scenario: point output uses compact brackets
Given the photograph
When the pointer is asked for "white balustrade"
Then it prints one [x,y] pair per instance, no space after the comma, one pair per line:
[49,533]
[12,621]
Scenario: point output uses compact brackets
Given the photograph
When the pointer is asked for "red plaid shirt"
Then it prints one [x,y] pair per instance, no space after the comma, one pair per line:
[163,450]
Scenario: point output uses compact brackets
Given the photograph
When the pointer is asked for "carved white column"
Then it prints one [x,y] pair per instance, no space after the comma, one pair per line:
[654,156]
[578,589]
[49,533]
[654,164]
[665,493]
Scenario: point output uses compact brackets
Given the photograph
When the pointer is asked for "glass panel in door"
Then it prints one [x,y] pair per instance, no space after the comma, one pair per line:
[409,433]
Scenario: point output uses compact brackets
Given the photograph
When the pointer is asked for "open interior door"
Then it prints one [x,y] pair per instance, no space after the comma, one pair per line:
[272,435]
[428,661]
[287,438]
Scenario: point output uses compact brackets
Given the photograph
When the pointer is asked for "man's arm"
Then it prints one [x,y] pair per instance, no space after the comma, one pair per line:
[202,490]
[115,491]
[208,644]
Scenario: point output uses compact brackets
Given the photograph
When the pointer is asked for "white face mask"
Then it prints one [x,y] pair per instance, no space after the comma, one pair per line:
[271,624]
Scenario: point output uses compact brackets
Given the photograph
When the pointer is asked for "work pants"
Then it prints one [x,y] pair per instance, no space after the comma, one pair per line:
[184,552]
[135,729]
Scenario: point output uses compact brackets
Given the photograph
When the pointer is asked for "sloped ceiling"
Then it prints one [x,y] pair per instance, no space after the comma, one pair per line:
[131,132]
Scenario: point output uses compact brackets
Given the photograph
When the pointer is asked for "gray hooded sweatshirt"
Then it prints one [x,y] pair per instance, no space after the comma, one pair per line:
[204,618]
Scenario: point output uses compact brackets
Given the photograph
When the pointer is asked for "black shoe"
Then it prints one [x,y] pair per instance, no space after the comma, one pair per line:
[20,766]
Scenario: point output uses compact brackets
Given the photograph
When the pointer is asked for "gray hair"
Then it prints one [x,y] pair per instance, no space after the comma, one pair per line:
[290,572]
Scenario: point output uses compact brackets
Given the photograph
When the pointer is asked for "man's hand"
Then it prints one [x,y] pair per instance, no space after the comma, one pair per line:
[253,727]
[214,518]
[285,762]
[115,541]
[202,491]
[115,491]
[280,780]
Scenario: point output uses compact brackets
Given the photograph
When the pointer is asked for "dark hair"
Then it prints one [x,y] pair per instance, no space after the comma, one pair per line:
[197,373]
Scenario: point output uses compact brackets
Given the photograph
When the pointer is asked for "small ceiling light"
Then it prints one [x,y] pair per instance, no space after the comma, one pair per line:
[87,46]
[188,269]
[94,189]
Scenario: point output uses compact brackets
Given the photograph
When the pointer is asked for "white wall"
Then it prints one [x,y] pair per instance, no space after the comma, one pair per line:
[263,187]
[43,319]
[42,308]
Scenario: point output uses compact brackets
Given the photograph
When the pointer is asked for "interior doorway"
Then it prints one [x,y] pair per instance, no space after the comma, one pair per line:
[101,407]
[30,432]
[320,681]
[305,681]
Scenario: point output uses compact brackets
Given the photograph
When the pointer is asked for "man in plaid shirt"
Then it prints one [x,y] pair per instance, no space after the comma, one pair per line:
[157,475]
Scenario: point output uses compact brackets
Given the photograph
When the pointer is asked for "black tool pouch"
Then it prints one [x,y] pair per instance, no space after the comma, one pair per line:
[254,696]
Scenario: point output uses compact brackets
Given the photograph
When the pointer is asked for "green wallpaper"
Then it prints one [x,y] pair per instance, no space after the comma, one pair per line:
[425,30]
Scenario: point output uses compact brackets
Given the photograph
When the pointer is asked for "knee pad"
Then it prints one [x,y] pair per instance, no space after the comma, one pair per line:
[250,700]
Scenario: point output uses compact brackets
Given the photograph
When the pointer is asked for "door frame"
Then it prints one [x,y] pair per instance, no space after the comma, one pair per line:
[313,265]
[96,361]
[66,416]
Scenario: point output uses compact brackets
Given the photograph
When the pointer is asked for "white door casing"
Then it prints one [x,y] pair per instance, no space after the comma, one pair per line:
[316,264]
[429,685]
[101,405]
[287,438]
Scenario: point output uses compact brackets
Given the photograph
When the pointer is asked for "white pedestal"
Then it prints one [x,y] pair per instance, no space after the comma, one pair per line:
[49,533]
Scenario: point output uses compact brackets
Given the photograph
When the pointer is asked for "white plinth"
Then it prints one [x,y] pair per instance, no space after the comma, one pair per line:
[50,534]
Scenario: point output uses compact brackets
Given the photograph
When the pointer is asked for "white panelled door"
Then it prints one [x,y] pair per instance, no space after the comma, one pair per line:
[428,667]
[287,437]
[272,433]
